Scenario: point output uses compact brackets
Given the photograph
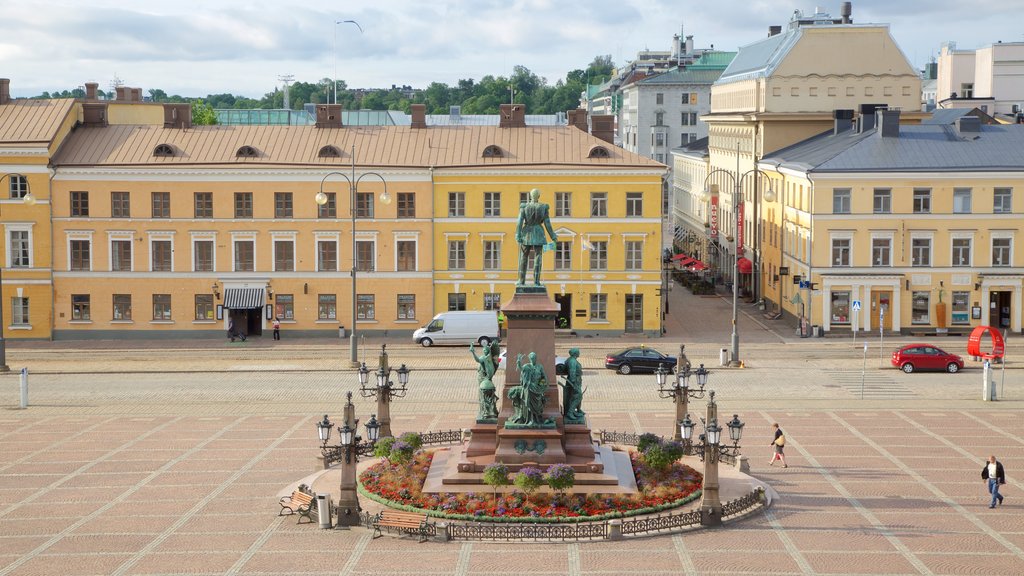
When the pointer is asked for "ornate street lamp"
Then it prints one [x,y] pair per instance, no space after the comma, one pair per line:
[324,429]
[679,391]
[373,430]
[709,449]
[384,389]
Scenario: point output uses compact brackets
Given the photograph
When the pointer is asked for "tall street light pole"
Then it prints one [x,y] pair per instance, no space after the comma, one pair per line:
[15,181]
[336,22]
[353,187]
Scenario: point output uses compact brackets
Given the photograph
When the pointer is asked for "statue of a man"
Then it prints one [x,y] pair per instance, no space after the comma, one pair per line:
[530,234]
[572,391]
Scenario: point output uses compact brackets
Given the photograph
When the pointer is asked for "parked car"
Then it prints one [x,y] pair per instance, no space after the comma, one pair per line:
[559,363]
[639,359]
[926,357]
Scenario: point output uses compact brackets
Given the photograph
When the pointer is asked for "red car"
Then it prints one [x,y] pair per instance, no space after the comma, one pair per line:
[926,357]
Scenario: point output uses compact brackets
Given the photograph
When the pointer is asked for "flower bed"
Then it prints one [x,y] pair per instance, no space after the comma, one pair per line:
[399,486]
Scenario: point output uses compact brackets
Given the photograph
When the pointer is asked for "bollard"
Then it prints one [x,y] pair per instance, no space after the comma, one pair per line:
[723,357]
[988,384]
[24,388]
[742,464]
[615,529]
[323,510]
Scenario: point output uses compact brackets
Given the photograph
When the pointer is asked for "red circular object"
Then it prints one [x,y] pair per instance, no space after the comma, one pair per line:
[974,342]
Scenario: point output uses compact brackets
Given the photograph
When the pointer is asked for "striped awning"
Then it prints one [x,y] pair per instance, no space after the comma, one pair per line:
[243,298]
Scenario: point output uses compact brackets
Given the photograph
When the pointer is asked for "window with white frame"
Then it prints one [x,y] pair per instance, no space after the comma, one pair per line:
[365,307]
[598,204]
[492,204]
[634,255]
[961,200]
[882,201]
[634,204]
[284,306]
[245,255]
[20,251]
[492,300]
[599,307]
[961,252]
[122,307]
[81,307]
[456,254]
[18,186]
[841,201]
[366,255]
[19,311]
[160,255]
[161,307]
[121,255]
[1001,247]
[405,254]
[920,252]
[599,255]
[327,307]
[1002,200]
[203,307]
[327,255]
[456,204]
[284,255]
[202,254]
[563,256]
[881,251]
[492,254]
[922,200]
[406,306]
[563,204]
[841,251]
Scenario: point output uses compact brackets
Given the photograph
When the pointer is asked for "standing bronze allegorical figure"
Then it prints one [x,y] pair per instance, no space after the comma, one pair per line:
[530,235]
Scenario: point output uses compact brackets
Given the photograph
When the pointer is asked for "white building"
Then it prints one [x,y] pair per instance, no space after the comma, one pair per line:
[990,78]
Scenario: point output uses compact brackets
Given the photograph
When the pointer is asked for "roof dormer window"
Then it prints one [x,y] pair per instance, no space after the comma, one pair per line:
[247,152]
[599,152]
[329,152]
[493,151]
[163,150]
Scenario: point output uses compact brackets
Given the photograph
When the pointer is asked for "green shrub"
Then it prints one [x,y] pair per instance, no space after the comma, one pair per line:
[645,441]
[496,476]
[382,449]
[529,480]
[412,439]
[561,477]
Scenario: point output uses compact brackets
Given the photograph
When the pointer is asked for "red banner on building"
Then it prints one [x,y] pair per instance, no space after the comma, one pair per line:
[714,213]
[739,227]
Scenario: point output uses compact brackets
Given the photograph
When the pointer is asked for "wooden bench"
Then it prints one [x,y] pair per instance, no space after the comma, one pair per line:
[300,503]
[409,522]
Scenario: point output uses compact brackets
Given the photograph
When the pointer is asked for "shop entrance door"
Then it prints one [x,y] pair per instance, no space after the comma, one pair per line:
[999,310]
[881,300]
[634,312]
[564,318]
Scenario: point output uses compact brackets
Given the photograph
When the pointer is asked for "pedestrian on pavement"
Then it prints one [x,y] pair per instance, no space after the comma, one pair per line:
[778,443]
[232,333]
[277,328]
[501,324]
[993,473]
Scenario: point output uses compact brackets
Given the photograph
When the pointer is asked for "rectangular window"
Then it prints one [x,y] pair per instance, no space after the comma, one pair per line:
[659,139]
[840,252]
[202,203]
[492,255]
[599,255]
[883,201]
[161,204]
[81,257]
[922,200]
[18,186]
[841,201]
[204,307]
[840,308]
[364,205]
[921,252]
[634,204]
[919,308]
[406,204]
[598,204]
[243,204]
[406,255]
[327,255]
[634,255]
[20,248]
[122,307]
[961,252]
[1002,201]
[121,255]
[689,119]
[282,204]
[685,99]
[161,255]
[245,252]
[961,312]
[364,307]
[19,311]
[80,204]
[1001,251]
[961,200]
[492,204]
[524,197]
[161,307]
[563,256]
[203,254]
[327,307]
[456,301]
[881,251]
[284,306]
[659,120]
[659,98]
[81,307]
[563,204]
[492,300]
[366,250]
[456,254]
[328,209]
[456,204]
[284,256]
[598,306]
[406,306]
[120,205]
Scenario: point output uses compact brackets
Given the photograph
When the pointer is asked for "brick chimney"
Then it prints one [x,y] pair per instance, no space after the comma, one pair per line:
[94,113]
[419,115]
[328,116]
[90,90]
[5,90]
[603,126]
[136,95]
[120,93]
[178,115]
[578,118]
[512,116]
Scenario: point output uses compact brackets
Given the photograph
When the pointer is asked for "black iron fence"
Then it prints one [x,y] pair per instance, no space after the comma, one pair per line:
[442,437]
[659,523]
[743,503]
[544,532]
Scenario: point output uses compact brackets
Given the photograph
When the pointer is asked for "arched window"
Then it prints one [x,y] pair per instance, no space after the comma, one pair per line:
[599,152]
[493,151]
[329,152]
[163,150]
[247,152]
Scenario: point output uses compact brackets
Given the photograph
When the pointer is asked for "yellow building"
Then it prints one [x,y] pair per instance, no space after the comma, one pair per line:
[164,229]
[917,224]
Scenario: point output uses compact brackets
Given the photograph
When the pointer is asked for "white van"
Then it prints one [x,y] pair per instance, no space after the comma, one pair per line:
[459,328]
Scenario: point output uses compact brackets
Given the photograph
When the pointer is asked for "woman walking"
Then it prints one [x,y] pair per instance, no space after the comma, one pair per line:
[778,443]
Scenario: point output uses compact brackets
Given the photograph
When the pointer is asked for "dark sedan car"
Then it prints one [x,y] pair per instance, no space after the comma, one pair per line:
[639,359]
[926,357]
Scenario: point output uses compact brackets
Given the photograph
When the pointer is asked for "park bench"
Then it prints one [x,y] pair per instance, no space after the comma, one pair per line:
[408,522]
[300,502]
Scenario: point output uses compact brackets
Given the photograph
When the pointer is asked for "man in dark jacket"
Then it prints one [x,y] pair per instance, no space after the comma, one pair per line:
[994,474]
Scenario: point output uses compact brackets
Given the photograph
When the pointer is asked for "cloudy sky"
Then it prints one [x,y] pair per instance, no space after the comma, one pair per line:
[198,47]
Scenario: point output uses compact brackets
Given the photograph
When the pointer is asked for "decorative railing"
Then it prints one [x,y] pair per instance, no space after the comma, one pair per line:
[547,532]
[743,503]
[442,437]
[624,438]
[660,523]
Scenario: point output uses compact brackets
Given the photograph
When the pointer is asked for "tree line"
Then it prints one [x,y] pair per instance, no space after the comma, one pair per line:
[475,97]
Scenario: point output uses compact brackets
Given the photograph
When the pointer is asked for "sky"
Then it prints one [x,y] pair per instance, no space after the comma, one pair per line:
[200,47]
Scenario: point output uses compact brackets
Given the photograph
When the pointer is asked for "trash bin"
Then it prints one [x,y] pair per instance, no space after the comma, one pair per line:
[323,508]
[341,332]
[723,357]
[816,331]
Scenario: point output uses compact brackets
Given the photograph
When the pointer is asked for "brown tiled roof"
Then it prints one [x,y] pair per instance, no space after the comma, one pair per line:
[25,121]
[381,146]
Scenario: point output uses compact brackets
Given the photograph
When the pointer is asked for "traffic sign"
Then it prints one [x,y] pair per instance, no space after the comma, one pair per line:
[856,305]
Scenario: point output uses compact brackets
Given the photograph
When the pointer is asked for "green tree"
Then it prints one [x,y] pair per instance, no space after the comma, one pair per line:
[202,113]
[496,476]
[529,480]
